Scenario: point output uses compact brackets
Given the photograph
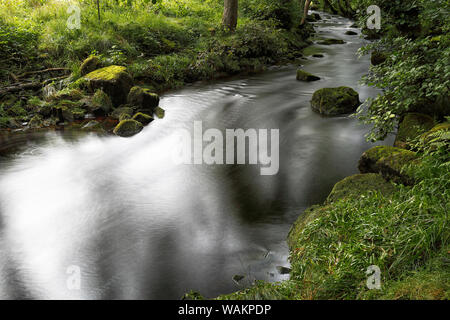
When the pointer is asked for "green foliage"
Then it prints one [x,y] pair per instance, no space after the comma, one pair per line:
[406,81]
[283,14]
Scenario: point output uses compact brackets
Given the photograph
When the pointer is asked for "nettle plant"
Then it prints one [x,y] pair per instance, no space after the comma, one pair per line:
[415,77]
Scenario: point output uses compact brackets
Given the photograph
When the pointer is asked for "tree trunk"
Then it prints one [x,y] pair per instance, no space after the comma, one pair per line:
[230,14]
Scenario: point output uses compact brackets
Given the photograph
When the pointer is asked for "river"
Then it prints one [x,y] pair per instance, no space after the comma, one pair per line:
[134,225]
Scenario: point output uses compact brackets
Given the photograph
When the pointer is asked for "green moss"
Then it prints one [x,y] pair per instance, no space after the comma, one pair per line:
[90,64]
[128,128]
[359,184]
[389,161]
[143,98]
[328,42]
[68,94]
[101,103]
[335,101]
[306,76]
[106,73]
[120,112]
[143,118]
[159,112]
[81,84]
[113,80]
[411,127]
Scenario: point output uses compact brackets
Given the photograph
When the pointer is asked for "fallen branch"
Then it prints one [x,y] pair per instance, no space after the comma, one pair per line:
[19,87]
[42,71]
[29,86]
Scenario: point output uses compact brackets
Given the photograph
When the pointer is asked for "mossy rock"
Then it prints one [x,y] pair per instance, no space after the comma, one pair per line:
[330,41]
[101,104]
[354,186]
[351,33]
[306,76]
[411,127]
[378,57]
[124,116]
[90,64]
[128,128]
[159,112]
[143,118]
[335,101]
[113,80]
[68,94]
[123,110]
[388,161]
[143,98]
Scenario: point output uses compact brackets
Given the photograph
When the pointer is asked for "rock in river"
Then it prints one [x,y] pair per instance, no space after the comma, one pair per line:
[335,101]
[114,80]
[128,128]
[306,76]
[143,98]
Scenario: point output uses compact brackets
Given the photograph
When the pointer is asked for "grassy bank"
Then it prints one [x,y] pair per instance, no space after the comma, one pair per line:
[163,45]
[369,220]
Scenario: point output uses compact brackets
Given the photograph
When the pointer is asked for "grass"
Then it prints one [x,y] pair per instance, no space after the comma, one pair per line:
[165,44]
[406,235]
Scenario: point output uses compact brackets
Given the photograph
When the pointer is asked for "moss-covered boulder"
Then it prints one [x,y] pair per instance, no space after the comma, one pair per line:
[335,101]
[378,57]
[101,104]
[411,127]
[128,128]
[90,64]
[388,161]
[143,98]
[143,118]
[121,111]
[330,41]
[113,80]
[306,76]
[68,94]
[159,112]
[354,186]
[351,33]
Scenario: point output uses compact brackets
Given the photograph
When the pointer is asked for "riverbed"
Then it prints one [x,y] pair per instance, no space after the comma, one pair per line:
[89,217]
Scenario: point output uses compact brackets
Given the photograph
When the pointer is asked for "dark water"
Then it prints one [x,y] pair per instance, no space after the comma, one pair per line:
[139,226]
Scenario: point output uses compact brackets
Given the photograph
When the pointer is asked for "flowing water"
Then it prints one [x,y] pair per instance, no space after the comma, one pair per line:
[138,226]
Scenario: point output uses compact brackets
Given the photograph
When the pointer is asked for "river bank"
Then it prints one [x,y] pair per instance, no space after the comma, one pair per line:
[161,49]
